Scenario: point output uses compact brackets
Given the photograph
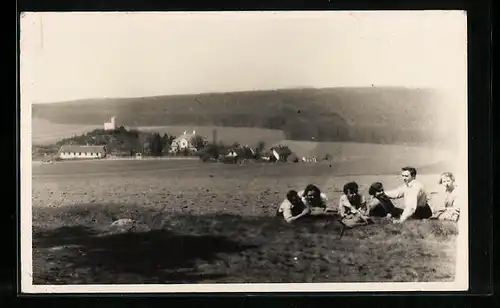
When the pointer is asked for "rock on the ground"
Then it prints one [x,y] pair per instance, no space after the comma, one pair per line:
[123,222]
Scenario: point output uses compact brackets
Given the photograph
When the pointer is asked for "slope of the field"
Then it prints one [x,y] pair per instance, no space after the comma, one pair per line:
[211,223]
[332,114]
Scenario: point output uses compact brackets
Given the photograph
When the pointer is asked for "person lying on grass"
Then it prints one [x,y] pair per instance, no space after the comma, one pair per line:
[380,205]
[293,208]
[448,209]
[415,197]
[352,205]
[314,198]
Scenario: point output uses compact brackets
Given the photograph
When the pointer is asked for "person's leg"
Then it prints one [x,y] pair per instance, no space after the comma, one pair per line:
[376,208]
[396,212]
[455,216]
[427,211]
[437,214]
[422,212]
[447,214]
[390,209]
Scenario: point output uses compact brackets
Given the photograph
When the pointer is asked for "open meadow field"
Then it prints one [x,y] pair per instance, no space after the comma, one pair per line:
[207,223]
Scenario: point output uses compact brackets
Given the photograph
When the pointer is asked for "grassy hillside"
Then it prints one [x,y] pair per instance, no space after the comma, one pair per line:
[381,115]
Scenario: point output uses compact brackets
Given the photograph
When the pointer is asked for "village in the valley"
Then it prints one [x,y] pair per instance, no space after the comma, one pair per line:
[189,144]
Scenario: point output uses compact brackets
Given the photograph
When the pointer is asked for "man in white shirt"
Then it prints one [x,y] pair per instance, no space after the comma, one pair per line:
[414,195]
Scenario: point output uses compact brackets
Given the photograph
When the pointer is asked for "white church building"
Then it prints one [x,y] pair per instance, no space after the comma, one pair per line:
[111,125]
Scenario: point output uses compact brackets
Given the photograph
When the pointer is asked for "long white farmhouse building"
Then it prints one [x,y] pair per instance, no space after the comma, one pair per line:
[82,151]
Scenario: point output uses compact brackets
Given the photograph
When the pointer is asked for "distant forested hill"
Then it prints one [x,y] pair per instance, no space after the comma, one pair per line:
[380,115]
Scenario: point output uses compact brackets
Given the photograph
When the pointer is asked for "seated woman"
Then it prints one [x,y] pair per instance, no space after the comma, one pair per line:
[351,201]
[314,198]
[448,209]
[352,205]
[293,208]
[381,205]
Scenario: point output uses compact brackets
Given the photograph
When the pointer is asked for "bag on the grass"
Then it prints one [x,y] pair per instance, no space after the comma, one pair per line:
[352,220]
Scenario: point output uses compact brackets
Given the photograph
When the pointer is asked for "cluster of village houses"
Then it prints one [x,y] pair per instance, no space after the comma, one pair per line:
[186,141]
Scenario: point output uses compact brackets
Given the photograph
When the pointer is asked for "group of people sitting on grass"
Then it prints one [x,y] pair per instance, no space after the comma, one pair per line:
[354,209]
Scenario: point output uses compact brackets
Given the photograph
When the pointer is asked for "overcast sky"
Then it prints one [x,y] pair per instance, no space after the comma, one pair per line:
[66,56]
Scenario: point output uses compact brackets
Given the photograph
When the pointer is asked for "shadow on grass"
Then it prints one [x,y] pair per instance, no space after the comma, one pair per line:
[155,256]
[77,245]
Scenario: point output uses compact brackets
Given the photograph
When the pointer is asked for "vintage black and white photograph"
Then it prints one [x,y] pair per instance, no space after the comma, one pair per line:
[244,151]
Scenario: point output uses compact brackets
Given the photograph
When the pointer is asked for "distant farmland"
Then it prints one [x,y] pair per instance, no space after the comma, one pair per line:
[356,157]
[228,135]
[353,151]
[45,132]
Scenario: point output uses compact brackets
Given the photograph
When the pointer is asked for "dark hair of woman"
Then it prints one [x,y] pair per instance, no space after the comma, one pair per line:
[292,195]
[312,187]
[375,188]
[351,187]
[316,197]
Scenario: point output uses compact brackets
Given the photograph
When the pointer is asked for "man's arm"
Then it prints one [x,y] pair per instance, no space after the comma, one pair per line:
[302,197]
[324,199]
[395,193]
[287,213]
[285,209]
